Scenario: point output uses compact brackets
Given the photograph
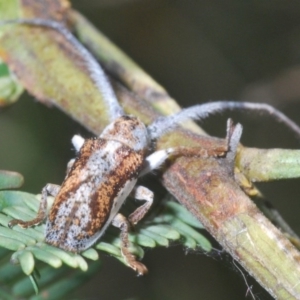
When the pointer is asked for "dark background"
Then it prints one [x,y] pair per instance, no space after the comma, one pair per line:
[199,51]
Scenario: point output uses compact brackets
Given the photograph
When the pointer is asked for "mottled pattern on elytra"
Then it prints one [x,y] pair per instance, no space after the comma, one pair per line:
[98,183]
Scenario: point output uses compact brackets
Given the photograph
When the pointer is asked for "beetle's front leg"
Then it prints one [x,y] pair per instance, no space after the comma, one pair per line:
[121,222]
[157,158]
[233,134]
[49,189]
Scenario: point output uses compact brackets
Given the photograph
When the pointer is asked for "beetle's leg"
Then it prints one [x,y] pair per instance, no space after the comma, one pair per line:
[156,159]
[49,189]
[141,193]
[121,222]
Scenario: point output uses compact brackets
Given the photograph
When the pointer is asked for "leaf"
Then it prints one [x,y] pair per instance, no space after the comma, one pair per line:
[165,231]
[34,283]
[23,238]
[26,260]
[158,239]
[11,244]
[90,254]
[15,198]
[69,259]
[109,248]
[9,179]
[183,214]
[10,89]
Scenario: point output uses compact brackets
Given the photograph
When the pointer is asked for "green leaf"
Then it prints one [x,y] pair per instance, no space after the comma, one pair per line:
[183,214]
[82,264]
[35,232]
[142,240]
[15,198]
[109,248]
[10,88]
[34,283]
[11,244]
[165,231]
[26,239]
[190,233]
[26,261]
[66,257]
[46,256]
[9,179]
[19,212]
[158,239]
[90,254]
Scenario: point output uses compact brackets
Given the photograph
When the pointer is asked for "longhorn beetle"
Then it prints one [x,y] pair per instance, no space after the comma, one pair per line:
[107,167]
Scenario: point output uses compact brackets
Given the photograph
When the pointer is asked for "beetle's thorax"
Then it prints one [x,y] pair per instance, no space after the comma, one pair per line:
[128,130]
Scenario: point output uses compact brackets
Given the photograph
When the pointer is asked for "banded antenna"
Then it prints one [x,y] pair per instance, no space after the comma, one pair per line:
[162,125]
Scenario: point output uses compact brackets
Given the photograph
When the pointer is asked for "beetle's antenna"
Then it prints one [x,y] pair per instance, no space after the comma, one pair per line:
[95,70]
[163,125]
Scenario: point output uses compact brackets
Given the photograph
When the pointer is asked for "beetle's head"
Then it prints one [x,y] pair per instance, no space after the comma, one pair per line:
[128,130]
